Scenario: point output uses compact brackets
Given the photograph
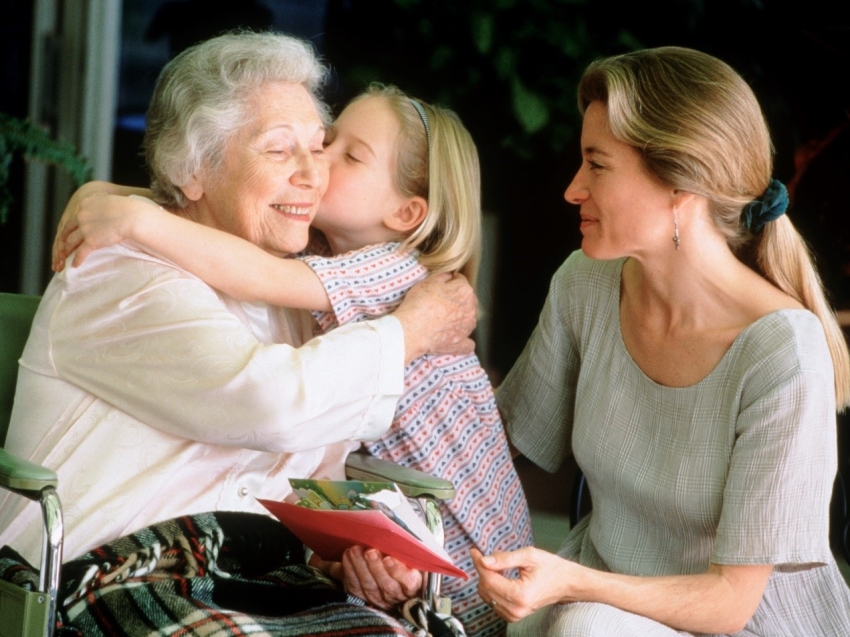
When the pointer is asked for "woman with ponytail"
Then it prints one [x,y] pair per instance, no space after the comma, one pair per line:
[687,356]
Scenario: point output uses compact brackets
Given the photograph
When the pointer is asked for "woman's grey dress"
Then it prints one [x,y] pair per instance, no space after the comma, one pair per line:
[736,469]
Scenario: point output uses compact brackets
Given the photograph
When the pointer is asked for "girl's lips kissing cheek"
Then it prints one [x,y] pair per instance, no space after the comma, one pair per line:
[300,212]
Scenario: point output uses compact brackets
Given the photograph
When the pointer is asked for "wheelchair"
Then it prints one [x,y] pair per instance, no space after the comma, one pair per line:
[26,613]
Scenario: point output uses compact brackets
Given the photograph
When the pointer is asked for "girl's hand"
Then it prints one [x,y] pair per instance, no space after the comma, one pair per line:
[544,578]
[101,220]
[381,580]
[69,221]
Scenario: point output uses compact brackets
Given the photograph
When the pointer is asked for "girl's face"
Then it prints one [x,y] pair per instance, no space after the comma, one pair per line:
[360,148]
[625,210]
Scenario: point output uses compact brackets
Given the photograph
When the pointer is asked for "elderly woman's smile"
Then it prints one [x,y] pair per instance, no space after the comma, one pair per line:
[272,175]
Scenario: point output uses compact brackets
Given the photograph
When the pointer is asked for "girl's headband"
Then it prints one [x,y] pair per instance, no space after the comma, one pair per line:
[424,116]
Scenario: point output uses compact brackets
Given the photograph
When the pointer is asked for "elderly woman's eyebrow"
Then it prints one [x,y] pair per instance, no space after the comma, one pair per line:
[286,128]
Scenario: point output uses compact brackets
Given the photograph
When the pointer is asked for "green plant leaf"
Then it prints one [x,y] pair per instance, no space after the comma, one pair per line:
[628,41]
[441,57]
[530,109]
[505,62]
[34,143]
[483,29]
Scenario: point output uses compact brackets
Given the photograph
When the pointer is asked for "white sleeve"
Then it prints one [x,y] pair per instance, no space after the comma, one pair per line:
[162,346]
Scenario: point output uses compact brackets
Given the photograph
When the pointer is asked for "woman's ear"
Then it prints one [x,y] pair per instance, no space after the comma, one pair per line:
[681,198]
[409,216]
[193,189]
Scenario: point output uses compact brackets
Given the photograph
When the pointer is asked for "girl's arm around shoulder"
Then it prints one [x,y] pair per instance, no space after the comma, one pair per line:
[68,223]
[721,600]
[224,261]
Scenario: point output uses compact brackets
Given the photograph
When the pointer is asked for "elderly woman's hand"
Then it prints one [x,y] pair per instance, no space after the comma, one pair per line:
[382,581]
[438,315]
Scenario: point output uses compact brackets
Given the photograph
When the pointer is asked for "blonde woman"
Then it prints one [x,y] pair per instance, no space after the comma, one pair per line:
[687,357]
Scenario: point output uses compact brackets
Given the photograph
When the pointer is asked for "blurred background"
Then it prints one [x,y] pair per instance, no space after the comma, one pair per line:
[84,70]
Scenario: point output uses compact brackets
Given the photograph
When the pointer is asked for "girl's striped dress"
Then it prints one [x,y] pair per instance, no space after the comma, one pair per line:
[446,424]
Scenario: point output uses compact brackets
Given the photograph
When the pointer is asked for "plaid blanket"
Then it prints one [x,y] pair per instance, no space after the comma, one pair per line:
[213,574]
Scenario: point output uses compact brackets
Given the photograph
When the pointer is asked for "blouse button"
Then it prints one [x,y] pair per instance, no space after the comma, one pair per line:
[243,491]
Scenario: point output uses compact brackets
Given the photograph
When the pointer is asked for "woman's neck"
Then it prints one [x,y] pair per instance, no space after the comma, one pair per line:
[686,287]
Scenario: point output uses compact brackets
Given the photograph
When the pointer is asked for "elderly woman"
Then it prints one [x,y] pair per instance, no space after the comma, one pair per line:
[688,358]
[153,395]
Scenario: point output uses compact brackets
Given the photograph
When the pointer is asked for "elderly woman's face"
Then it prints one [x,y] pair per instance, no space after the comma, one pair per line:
[274,173]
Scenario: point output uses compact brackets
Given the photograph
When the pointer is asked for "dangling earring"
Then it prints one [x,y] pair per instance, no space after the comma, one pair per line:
[675,229]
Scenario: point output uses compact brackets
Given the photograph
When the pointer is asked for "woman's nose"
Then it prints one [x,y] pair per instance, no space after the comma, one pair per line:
[576,192]
[311,171]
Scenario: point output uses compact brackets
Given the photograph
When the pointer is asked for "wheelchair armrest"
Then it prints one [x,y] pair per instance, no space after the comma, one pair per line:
[413,483]
[24,477]
[33,612]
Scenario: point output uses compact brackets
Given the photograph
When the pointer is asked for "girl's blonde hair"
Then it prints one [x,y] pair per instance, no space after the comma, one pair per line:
[700,129]
[446,175]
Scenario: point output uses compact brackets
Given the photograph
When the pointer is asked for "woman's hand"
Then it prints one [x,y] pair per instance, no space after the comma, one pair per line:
[438,315]
[542,579]
[381,580]
[63,243]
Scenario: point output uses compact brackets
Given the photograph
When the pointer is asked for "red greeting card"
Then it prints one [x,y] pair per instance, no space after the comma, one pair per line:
[332,516]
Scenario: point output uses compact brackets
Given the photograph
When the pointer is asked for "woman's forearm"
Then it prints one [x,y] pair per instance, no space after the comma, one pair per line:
[721,600]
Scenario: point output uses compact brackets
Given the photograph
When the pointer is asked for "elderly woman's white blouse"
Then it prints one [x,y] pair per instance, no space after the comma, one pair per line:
[152,396]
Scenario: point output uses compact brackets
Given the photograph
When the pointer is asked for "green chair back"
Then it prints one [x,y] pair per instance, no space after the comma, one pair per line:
[16,314]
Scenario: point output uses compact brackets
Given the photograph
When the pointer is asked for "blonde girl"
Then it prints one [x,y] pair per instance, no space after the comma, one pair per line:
[403,200]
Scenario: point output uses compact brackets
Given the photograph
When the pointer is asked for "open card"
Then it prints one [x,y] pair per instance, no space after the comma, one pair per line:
[329,516]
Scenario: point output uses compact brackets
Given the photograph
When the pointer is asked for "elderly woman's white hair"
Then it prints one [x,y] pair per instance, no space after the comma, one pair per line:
[200,101]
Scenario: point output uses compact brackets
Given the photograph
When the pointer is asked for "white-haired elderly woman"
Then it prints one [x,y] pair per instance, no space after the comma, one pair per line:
[688,358]
[155,396]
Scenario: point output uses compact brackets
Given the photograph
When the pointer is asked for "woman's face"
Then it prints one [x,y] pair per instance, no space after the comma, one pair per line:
[274,173]
[625,210]
[360,148]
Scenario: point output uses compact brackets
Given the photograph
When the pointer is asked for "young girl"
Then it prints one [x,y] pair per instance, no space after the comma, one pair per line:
[403,199]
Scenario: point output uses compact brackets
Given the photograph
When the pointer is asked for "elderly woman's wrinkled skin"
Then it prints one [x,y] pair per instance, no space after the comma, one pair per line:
[273,175]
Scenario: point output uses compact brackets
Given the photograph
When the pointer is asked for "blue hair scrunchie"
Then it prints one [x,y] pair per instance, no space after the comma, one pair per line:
[771,205]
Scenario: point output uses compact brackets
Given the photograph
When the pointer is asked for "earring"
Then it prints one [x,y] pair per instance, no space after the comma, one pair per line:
[675,229]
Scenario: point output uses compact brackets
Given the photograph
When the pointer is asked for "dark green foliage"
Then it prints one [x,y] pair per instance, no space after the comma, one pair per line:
[21,136]
[509,68]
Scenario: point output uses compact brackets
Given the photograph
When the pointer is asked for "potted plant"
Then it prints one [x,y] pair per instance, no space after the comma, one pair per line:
[19,136]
